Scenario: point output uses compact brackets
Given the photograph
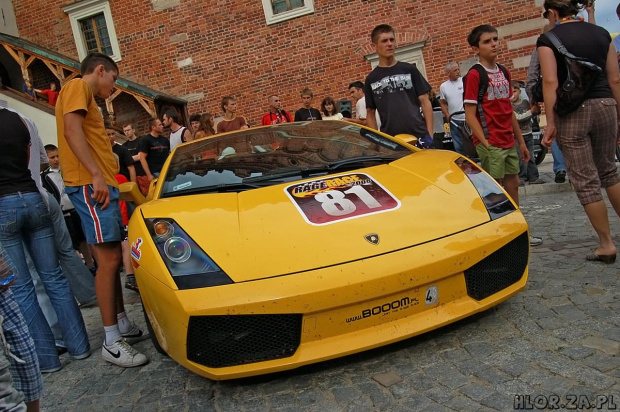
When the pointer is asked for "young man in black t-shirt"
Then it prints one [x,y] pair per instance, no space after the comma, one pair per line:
[307,112]
[125,162]
[397,90]
[154,151]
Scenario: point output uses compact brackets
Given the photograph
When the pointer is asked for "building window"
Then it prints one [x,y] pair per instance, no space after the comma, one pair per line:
[93,28]
[281,10]
[95,32]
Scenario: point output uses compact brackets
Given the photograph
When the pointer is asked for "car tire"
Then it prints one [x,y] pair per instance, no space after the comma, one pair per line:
[541,155]
[156,344]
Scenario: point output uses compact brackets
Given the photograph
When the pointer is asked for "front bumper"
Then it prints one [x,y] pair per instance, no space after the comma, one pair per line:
[281,323]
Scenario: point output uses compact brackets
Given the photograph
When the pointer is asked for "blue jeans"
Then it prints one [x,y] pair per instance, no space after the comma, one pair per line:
[457,138]
[25,219]
[558,158]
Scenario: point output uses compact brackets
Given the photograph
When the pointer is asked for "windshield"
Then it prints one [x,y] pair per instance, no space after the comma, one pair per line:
[272,155]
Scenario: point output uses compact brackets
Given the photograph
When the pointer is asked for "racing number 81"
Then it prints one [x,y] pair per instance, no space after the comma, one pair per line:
[335,203]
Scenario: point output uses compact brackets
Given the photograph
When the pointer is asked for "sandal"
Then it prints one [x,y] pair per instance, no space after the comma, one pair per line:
[607,259]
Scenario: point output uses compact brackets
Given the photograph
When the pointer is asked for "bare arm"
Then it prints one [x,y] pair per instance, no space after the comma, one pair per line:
[76,139]
[132,173]
[145,166]
[371,120]
[427,111]
[474,123]
[444,108]
[549,71]
[136,158]
[188,136]
[613,76]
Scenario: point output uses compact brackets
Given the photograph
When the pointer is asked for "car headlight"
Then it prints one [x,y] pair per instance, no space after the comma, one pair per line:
[493,197]
[188,264]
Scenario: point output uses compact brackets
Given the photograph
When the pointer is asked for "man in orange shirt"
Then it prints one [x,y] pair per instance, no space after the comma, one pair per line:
[88,166]
[231,121]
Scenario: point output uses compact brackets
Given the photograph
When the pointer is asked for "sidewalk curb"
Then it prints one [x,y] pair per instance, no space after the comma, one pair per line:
[548,187]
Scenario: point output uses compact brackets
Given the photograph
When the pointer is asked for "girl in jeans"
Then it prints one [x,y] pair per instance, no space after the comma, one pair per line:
[25,222]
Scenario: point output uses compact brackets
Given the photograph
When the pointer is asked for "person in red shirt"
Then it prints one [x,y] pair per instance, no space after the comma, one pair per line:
[275,115]
[51,93]
[495,144]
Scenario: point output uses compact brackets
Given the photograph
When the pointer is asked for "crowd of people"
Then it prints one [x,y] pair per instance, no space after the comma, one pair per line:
[74,204]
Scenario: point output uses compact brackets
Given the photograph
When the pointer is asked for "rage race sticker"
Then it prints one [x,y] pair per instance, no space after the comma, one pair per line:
[135,249]
[335,198]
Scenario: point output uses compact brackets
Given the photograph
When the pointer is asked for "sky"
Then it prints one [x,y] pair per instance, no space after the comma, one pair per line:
[605,14]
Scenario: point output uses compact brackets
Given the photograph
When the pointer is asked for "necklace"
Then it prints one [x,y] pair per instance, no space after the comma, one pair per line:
[569,19]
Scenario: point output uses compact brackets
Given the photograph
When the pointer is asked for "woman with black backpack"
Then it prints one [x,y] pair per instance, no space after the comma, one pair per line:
[581,89]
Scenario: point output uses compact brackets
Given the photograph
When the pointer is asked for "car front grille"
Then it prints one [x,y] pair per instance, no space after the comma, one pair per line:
[499,270]
[220,341]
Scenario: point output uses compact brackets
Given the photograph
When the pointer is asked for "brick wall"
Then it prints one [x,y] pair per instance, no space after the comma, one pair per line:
[228,49]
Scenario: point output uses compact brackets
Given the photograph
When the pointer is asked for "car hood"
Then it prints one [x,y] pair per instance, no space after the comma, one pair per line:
[265,232]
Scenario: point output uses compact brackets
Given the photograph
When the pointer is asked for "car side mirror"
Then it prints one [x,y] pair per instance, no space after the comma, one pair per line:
[407,138]
[131,192]
[151,192]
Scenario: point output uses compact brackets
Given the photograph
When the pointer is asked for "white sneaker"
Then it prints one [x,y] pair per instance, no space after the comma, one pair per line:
[135,335]
[122,354]
[535,241]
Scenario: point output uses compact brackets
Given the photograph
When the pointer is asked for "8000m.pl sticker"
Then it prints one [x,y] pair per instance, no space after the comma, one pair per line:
[334,198]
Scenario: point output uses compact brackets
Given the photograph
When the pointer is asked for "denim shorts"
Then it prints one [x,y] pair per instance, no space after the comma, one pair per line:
[100,226]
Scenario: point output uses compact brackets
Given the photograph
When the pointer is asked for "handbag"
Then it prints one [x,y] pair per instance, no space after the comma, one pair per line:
[581,74]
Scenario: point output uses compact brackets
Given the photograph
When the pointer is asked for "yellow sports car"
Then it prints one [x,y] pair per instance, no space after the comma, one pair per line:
[275,247]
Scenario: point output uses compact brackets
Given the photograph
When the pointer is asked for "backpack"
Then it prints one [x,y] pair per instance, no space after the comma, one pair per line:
[581,74]
[468,141]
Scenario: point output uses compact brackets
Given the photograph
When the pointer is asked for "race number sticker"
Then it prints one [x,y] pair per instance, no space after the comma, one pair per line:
[432,295]
[335,198]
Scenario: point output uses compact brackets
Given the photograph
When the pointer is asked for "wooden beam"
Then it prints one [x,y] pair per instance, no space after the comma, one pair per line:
[30,60]
[110,108]
[53,68]
[115,94]
[70,77]
[150,108]
[12,53]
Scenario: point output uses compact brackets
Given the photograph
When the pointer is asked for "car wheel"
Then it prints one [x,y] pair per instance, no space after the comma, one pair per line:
[541,155]
[158,348]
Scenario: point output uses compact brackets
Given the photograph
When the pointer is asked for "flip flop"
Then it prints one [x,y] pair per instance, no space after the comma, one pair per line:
[607,259]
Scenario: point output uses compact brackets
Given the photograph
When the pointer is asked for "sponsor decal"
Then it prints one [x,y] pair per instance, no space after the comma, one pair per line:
[342,197]
[385,308]
[181,186]
[136,253]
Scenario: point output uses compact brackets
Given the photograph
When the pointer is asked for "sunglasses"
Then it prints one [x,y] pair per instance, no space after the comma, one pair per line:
[545,13]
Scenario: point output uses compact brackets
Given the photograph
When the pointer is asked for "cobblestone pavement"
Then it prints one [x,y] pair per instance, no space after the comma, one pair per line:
[561,336]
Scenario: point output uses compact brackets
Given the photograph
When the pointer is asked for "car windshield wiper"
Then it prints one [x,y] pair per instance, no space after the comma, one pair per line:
[360,160]
[221,188]
[353,163]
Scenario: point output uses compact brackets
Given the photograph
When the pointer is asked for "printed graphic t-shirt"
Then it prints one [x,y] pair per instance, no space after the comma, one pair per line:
[76,96]
[496,106]
[133,146]
[393,92]
[157,150]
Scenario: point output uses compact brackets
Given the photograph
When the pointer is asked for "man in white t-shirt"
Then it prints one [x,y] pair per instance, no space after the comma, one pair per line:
[356,91]
[451,99]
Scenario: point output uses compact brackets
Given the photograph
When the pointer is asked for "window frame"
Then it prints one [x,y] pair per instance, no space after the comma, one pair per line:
[272,18]
[87,9]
